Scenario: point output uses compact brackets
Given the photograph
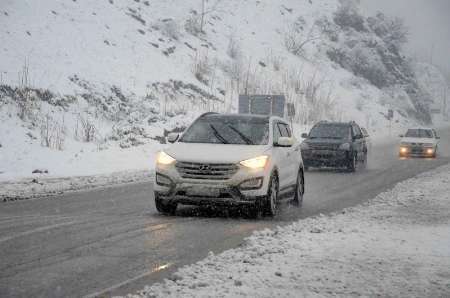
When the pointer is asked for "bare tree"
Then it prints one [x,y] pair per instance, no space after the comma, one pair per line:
[86,131]
[206,10]
[53,133]
[23,100]
[294,40]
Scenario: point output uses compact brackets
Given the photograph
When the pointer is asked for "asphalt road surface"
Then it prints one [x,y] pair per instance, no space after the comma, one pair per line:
[112,241]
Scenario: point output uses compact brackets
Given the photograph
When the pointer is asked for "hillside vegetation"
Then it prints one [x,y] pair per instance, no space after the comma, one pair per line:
[92,76]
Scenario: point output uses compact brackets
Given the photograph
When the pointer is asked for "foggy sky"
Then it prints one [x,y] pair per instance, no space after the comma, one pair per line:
[429,24]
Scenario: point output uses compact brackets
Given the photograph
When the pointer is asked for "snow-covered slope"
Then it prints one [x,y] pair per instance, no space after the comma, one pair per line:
[130,70]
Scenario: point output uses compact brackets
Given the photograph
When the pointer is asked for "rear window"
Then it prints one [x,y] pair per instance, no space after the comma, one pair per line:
[228,130]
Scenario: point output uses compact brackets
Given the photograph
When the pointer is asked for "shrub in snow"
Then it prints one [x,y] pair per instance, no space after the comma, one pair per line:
[391,30]
[348,16]
[53,133]
[295,39]
[168,28]
[192,25]
[85,129]
[330,29]
[201,68]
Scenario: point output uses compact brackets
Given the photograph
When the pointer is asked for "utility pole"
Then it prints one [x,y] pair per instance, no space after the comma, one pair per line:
[444,105]
[431,53]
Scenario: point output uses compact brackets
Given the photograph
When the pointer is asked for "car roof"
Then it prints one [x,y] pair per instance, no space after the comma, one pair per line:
[333,123]
[423,128]
[253,116]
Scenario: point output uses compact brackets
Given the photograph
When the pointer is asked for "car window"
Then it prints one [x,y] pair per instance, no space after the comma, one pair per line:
[276,132]
[284,130]
[288,129]
[364,132]
[419,133]
[356,131]
[435,133]
[228,130]
[330,131]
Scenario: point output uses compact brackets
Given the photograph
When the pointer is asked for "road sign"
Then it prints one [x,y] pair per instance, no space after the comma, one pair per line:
[262,104]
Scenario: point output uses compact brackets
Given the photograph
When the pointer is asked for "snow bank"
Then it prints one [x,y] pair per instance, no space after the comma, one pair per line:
[398,244]
[43,186]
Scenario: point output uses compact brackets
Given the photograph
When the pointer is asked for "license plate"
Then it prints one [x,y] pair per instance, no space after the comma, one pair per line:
[204,192]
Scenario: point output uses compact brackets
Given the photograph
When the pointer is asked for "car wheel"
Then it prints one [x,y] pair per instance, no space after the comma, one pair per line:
[352,163]
[272,197]
[165,208]
[253,212]
[365,160]
[299,189]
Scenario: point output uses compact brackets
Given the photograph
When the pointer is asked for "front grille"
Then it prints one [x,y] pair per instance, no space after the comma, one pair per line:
[315,146]
[206,171]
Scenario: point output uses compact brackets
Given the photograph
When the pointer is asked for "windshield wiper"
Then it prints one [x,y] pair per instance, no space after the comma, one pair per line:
[243,137]
[218,135]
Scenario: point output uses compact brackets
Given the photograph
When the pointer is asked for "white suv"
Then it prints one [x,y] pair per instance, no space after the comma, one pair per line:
[230,160]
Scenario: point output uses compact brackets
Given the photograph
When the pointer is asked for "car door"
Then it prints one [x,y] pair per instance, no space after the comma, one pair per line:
[292,156]
[436,138]
[281,158]
[358,142]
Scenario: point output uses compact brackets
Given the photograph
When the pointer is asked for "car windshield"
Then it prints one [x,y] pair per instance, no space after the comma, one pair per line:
[228,130]
[419,133]
[330,131]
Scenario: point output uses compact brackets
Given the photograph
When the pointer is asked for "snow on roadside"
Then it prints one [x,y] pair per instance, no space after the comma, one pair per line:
[42,186]
[398,244]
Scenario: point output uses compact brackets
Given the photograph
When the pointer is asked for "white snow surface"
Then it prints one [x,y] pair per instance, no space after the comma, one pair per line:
[121,43]
[396,245]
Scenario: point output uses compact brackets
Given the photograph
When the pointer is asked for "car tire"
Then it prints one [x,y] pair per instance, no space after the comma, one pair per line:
[351,163]
[165,208]
[299,188]
[272,197]
[365,160]
[253,212]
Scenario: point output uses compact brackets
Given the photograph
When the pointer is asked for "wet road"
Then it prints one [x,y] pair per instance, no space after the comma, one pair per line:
[112,241]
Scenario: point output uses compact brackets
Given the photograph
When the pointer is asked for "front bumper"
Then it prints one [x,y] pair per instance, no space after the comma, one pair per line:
[227,192]
[418,151]
[317,158]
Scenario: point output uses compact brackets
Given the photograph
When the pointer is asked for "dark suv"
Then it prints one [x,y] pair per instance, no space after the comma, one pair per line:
[334,144]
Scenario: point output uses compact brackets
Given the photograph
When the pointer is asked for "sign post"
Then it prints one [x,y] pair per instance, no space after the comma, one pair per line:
[390,117]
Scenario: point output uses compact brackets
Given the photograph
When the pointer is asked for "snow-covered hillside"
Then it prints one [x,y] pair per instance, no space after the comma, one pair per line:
[94,86]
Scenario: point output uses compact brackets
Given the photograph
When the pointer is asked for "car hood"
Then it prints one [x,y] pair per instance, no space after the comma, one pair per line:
[214,153]
[418,140]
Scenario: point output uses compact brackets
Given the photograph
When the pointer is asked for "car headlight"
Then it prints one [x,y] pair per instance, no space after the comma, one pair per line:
[255,163]
[304,146]
[162,158]
[345,146]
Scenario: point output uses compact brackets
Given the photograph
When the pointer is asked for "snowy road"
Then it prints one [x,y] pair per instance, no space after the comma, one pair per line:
[112,241]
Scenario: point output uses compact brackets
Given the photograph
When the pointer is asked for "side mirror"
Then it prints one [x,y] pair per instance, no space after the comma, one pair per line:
[285,142]
[304,135]
[401,136]
[438,138]
[172,137]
